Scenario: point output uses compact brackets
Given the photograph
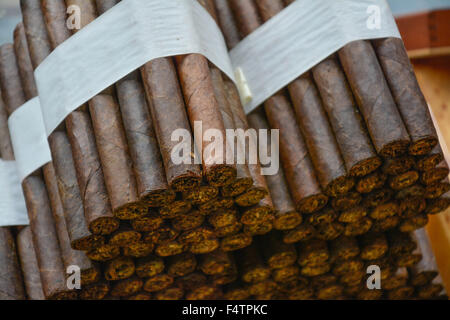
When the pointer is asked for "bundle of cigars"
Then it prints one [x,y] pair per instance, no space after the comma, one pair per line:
[361,169]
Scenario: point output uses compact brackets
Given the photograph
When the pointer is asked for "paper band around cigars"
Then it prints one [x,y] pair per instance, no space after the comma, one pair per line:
[137,31]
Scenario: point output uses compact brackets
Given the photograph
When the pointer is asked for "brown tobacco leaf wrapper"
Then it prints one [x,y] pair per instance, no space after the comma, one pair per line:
[48,252]
[354,143]
[319,138]
[251,264]
[188,221]
[6,149]
[397,280]
[374,98]
[11,284]
[202,106]
[405,89]
[116,162]
[286,216]
[168,113]
[385,210]
[147,162]
[235,291]
[243,179]
[227,23]
[24,62]
[89,272]
[80,237]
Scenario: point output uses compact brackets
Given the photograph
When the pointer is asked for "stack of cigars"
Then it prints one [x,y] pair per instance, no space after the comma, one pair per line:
[361,169]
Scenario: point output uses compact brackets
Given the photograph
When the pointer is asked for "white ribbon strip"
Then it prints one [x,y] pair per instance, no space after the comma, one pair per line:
[302,35]
[13,211]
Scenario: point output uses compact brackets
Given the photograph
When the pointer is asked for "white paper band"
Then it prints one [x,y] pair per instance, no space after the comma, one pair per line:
[13,211]
[302,35]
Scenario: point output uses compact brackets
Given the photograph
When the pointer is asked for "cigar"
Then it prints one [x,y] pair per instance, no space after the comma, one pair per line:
[357,228]
[260,288]
[286,216]
[373,246]
[126,287]
[438,173]
[326,215]
[103,253]
[405,89]
[387,268]
[377,197]
[95,291]
[40,48]
[401,293]
[386,224]
[367,294]
[333,291]
[11,283]
[231,230]
[235,242]
[90,272]
[408,260]
[329,231]
[398,165]
[144,149]
[170,248]
[138,249]
[227,23]
[141,296]
[119,268]
[277,254]
[313,253]
[351,135]
[314,271]
[191,281]
[228,276]
[430,291]
[168,114]
[6,150]
[403,180]
[235,291]
[301,294]
[215,262]
[201,195]
[431,160]
[259,229]
[385,210]
[216,204]
[158,282]
[347,266]
[174,209]
[251,264]
[437,189]
[418,221]
[344,248]
[188,221]
[223,218]
[371,182]
[374,98]
[205,292]
[301,179]
[435,206]
[243,179]
[411,201]
[124,236]
[171,293]
[149,266]
[24,62]
[202,106]
[346,201]
[353,215]
[303,232]
[181,265]
[149,222]
[28,262]
[400,243]
[426,269]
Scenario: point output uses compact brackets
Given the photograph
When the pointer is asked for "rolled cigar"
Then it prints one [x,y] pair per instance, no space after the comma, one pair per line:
[24,62]
[181,265]
[263,287]
[435,206]
[89,271]
[430,291]
[353,278]
[11,283]
[400,243]
[215,204]
[28,262]
[149,266]
[227,22]
[172,248]
[259,229]
[126,287]
[347,266]
[158,282]
[124,236]
[346,201]
[437,189]
[191,281]
[411,201]
[329,231]
[354,143]
[398,165]
[313,253]
[150,222]
[426,269]
[323,280]
[201,195]
[229,230]
[223,218]
[138,249]
[229,275]
[235,242]
[405,89]
[251,264]
[357,228]
[326,215]
[168,113]
[205,292]
[408,260]
[175,209]
[202,106]
[303,232]
[332,291]
[418,221]
[103,253]
[243,179]
[96,291]
[385,210]
[301,179]
[286,216]
[373,246]
[353,215]
[367,294]
[377,197]
[301,294]
[400,293]
[39,48]
[144,150]
[188,221]
[438,173]
[343,248]
[431,160]
[170,293]
[374,98]
[386,224]
[403,180]
[319,137]
[6,150]
[277,254]
[387,268]
[235,291]
[215,262]
[119,269]
[371,182]
[314,271]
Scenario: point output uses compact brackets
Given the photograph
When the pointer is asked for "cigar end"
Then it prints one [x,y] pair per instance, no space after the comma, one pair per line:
[88,242]
[422,146]
[129,211]
[104,225]
[312,203]
[158,198]
[365,167]
[238,187]
[394,149]
[287,221]
[221,175]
